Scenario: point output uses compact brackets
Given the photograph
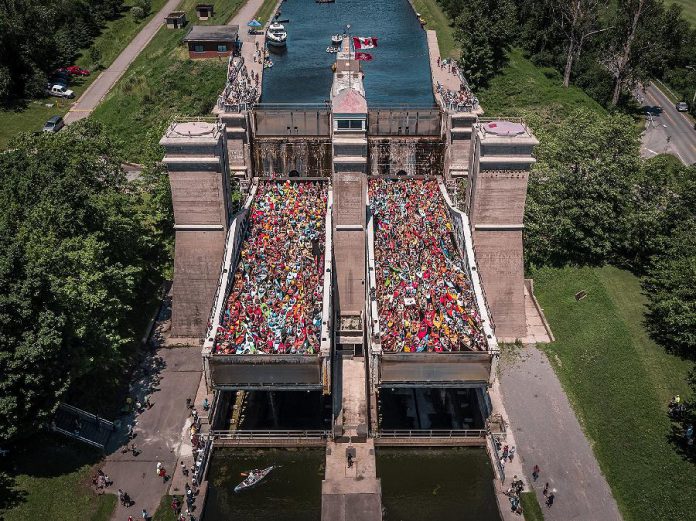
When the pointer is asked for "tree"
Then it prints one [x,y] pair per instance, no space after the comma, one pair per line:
[580,20]
[137,13]
[632,51]
[78,243]
[577,203]
[484,31]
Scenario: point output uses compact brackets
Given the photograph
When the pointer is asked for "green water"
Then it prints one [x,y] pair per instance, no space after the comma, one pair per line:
[437,484]
[290,493]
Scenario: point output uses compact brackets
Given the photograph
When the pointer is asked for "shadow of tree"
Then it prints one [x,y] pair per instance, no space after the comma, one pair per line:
[10,496]
[677,437]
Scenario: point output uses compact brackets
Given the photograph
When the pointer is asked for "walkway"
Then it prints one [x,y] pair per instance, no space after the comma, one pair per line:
[549,435]
[100,87]
[160,432]
[249,41]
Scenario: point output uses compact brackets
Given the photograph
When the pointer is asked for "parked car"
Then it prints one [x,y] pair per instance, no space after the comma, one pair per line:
[74,70]
[61,91]
[54,124]
[682,106]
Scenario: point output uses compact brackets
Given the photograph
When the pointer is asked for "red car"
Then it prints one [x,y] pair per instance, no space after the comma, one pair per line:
[74,70]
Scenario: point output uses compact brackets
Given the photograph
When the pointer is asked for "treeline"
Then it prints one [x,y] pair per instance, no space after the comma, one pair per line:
[80,246]
[606,48]
[38,36]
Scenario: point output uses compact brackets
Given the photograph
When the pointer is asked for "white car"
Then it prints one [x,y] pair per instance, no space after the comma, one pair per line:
[60,91]
[682,106]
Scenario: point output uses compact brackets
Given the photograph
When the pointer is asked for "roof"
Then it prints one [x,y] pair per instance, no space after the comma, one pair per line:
[349,101]
[204,6]
[176,14]
[212,33]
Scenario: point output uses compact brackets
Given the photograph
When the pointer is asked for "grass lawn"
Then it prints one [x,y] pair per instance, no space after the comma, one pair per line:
[438,21]
[522,87]
[619,382]
[160,84]
[689,9]
[265,11]
[530,506]
[113,39]
[50,480]
[164,510]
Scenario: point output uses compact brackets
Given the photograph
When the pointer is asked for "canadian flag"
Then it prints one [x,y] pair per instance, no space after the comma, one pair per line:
[364,43]
[363,56]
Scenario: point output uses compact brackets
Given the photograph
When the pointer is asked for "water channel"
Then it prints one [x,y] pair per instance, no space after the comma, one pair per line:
[398,74]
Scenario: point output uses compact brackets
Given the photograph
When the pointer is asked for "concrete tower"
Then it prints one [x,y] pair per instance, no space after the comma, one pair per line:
[495,202]
[196,158]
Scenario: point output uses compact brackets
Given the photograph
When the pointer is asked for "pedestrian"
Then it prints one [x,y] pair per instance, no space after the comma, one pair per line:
[126,500]
[511,453]
[134,450]
[120,496]
[549,499]
[148,404]
[188,403]
[158,468]
[505,451]
[130,518]
[535,472]
[146,516]
[546,489]
[163,475]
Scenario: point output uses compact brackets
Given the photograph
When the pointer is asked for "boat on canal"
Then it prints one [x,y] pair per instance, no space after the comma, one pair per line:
[336,39]
[276,36]
[254,477]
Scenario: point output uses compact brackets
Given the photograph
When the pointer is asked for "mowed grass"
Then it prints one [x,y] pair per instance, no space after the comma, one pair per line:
[115,36]
[160,84]
[619,382]
[439,22]
[50,480]
[530,506]
[266,10]
[523,88]
[689,9]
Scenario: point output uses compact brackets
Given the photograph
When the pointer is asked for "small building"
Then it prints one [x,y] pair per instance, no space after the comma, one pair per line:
[204,11]
[210,41]
[175,20]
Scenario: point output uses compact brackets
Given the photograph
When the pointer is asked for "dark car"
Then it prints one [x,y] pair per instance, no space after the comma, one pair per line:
[54,124]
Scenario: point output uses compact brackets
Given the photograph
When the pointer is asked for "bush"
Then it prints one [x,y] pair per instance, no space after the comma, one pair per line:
[137,13]
[145,5]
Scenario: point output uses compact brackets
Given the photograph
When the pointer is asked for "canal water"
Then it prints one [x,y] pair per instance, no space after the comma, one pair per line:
[444,484]
[398,74]
[289,493]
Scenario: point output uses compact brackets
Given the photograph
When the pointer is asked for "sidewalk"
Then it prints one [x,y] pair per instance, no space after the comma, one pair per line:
[96,92]
[159,434]
[549,435]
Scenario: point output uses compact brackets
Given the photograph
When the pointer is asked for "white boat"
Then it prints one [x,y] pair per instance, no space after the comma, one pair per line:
[336,39]
[253,478]
[276,36]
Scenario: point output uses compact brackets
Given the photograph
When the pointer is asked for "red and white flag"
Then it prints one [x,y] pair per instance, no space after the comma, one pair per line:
[364,43]
[363,56]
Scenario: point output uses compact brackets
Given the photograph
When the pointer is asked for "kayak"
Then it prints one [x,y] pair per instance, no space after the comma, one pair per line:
[253,478]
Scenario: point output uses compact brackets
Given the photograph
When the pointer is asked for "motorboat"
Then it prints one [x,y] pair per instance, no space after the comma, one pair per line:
[254,477]
[336,39]
[331,49]
[276,36]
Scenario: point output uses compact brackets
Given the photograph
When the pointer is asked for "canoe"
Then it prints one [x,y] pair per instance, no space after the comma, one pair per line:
[253,478]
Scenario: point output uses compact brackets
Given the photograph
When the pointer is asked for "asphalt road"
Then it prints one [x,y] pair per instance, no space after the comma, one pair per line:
[96,92]
[670,131]
[548,434]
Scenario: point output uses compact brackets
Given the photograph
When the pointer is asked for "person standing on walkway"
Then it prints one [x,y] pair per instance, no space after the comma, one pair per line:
[146,516]
[549,500]
[546,489]
[535,472]
[511,453]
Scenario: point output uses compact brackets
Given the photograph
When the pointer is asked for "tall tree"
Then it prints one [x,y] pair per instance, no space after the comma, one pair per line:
[484,30]
[632,49]
[579,20]
[76,246]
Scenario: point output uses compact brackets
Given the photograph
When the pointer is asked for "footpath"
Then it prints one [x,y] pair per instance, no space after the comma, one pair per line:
[548,434]
[100,87]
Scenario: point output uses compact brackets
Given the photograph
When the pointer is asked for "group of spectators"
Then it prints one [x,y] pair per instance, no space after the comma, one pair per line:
[242,85]
[425,298]
[275,304]
[456,100]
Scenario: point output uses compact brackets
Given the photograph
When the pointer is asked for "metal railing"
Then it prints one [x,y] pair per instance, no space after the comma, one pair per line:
[316,434]
[494,443]
[431,433]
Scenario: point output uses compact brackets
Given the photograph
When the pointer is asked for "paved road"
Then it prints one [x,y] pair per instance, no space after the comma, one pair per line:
[96,92]
[549,435]
[672,131]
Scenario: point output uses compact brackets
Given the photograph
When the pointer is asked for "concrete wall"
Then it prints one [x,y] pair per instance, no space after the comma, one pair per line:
[310,157]
[198,198]
[269,122]
[499,258]
[413,156]
[392,122]
[498,197]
